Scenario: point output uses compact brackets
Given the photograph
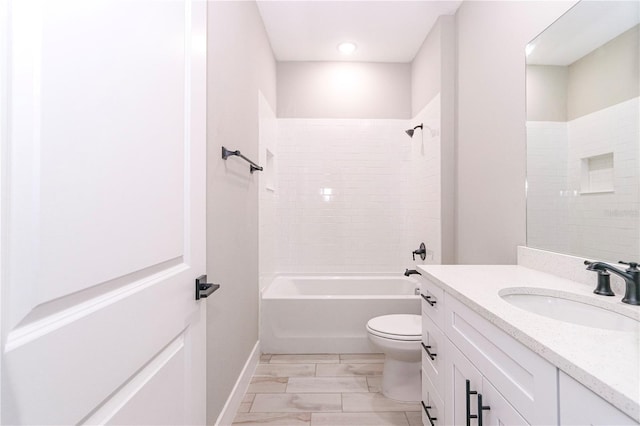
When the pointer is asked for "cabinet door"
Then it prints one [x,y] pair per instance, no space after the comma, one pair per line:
[580,406]
[500,412]
[463,403]
[459,404]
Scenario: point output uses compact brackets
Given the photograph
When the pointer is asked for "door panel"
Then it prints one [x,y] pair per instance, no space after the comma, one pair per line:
[460,369]
[104,206]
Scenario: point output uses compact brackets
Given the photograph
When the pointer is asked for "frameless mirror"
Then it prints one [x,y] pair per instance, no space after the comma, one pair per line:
[583,137]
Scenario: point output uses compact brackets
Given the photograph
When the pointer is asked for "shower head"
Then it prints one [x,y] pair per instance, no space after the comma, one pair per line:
[411,131]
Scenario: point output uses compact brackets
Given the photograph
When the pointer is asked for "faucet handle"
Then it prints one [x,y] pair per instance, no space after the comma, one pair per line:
[632,265]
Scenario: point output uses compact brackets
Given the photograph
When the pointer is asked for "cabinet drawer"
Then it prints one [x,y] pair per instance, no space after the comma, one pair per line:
[433,340]
[432,301]
[527,379]
[431,403]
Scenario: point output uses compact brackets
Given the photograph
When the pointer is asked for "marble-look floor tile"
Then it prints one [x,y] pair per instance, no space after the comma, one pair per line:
[267,384]
[374,402]
[248,397]
[274,419]
[361,358]
[327,384]
[334,370]
[296,403]
[359,419]
[375,383]
[244,407]
[305,359]
[285,370]
[414,417]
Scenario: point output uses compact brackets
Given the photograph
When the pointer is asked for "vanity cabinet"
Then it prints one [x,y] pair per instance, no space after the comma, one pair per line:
[580,406]
[474,400]
[460,349]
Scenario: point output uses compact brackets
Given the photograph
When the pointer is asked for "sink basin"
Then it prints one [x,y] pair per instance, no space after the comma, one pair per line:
[572,311]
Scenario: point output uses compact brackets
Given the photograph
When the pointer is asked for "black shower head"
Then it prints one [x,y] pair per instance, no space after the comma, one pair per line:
[410,132]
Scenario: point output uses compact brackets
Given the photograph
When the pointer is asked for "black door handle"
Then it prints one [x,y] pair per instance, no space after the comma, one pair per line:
[203,288]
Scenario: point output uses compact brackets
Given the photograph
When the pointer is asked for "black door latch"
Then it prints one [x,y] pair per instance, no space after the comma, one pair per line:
[203,288]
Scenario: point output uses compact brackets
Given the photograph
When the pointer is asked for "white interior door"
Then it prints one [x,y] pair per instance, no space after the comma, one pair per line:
[103,211]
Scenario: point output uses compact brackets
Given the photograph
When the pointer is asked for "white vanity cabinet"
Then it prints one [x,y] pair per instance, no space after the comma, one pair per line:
[580,406]
[459,346]
[473,399]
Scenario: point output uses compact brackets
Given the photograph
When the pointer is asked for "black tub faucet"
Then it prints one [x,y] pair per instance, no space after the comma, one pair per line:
[631,278]
[408,272]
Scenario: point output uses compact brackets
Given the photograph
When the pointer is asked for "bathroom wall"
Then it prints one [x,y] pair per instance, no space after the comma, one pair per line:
[236,72]
[603,214]
[268,191]
[344,90]
[490,199]
[433,73]
[547,93]
[344,194]
[564,213]
[605,77]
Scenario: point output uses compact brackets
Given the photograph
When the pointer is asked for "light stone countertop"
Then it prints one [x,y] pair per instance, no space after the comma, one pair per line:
[605,361]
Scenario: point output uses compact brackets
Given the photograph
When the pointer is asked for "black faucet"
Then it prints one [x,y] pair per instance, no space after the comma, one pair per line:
[408,272]
[631,278]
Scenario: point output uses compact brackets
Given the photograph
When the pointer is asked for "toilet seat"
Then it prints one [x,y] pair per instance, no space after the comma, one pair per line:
[396,327]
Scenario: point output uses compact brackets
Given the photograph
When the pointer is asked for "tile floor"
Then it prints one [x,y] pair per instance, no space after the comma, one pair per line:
[322,390]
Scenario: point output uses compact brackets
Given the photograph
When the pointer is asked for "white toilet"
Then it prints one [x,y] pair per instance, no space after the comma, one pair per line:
[398,337]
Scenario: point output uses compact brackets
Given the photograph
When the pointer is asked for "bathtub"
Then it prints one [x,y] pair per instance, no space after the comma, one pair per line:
[328,314]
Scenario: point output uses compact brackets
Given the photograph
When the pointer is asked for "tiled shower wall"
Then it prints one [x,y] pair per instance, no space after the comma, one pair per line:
[356,195]
[560,217]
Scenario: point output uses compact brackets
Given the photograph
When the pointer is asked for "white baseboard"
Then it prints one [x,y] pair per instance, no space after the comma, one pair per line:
[240,388]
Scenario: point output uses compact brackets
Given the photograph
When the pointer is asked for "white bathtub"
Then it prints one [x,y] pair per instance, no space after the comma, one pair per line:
[328,314]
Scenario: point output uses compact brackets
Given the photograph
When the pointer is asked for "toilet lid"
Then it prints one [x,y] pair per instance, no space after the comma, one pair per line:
[398,327]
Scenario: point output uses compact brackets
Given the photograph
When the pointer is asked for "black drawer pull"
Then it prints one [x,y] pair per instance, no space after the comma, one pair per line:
[432,420]
[426,348]
[428,299]
[480,406]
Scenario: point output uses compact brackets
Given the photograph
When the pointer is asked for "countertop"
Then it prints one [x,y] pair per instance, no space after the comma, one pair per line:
[605,361]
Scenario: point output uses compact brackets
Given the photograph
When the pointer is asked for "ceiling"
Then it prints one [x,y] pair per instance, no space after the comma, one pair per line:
[384,31]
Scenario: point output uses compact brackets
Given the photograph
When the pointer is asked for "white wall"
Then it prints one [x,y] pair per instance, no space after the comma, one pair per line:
[343,192]
[235,75]
[491,36]
[268,140]
[547,191]
[344,90]
[605,225]
[433,74]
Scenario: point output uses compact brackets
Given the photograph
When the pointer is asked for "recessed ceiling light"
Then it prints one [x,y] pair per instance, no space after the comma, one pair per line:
[347,48]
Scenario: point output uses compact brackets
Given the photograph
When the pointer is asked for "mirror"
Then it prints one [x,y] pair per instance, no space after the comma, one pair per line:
[583,137]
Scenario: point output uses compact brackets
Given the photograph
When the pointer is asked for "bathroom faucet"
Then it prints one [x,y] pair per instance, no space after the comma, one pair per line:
[631,278]
[408,272]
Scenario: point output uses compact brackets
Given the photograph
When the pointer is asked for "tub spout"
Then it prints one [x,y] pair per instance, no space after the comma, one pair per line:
[408,272]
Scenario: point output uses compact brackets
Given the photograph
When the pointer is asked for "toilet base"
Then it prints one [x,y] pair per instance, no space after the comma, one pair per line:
[401,380]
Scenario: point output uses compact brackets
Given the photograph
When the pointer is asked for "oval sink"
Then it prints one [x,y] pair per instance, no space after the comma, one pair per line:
[572,311]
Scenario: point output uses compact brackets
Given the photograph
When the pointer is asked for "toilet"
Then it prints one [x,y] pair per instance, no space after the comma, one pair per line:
[398,337]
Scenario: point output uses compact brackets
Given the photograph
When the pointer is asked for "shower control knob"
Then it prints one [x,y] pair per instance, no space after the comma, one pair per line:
[422,252]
